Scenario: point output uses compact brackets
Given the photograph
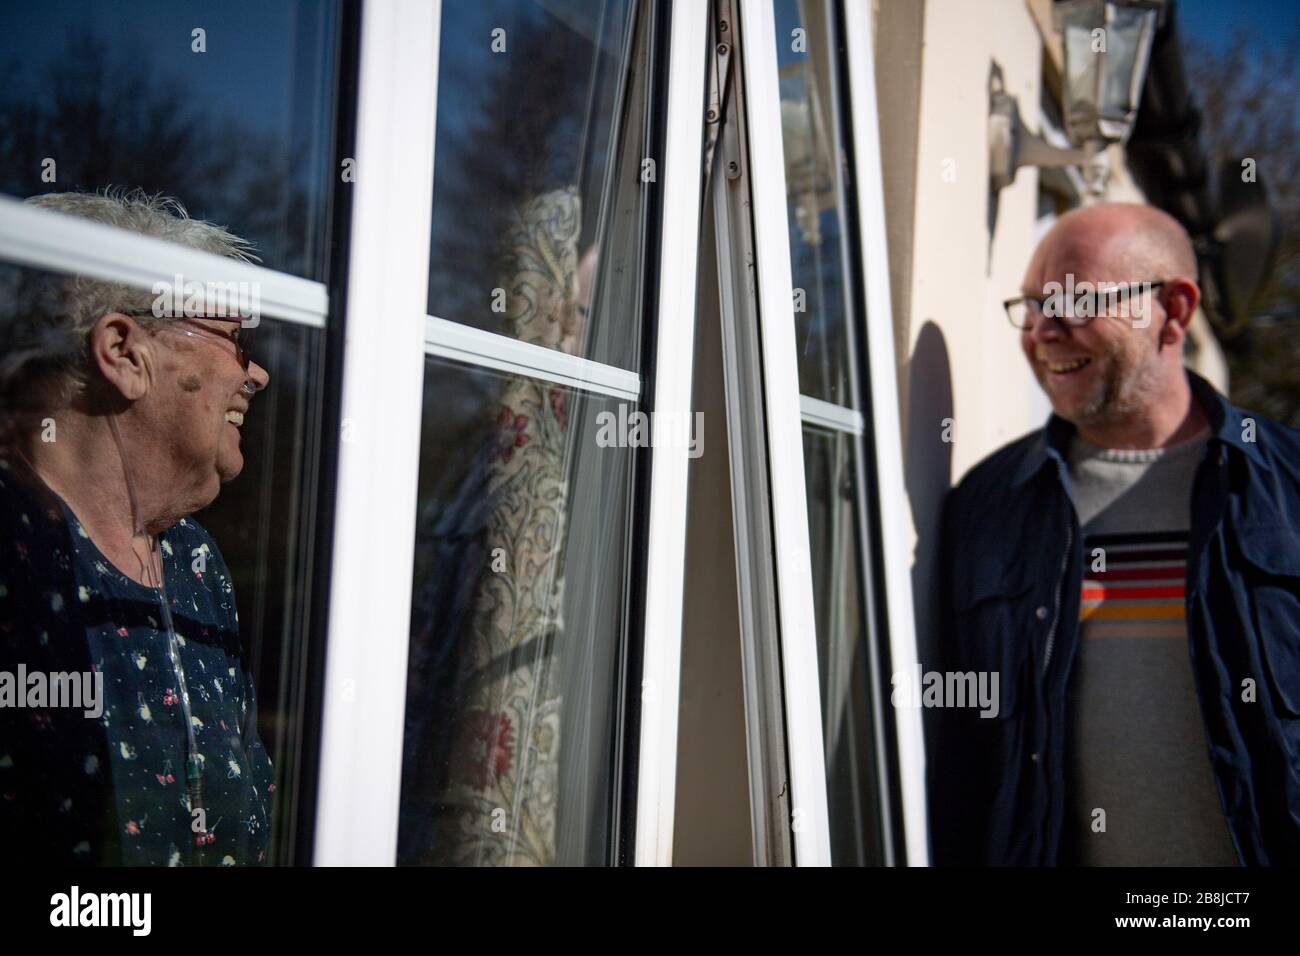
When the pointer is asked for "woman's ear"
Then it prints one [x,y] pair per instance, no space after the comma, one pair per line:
[119,349]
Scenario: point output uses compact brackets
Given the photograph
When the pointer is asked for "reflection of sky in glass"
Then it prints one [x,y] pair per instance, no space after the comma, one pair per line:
[515,130]
[468,65]
[116,96]
[244,70]
[821,333]
[787,20]
[476,149]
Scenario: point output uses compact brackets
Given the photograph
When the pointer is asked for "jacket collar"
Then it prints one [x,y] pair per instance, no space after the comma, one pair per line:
[1052,443]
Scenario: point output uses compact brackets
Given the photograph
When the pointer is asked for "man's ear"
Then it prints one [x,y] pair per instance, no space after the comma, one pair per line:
[118,348]
[1182,296]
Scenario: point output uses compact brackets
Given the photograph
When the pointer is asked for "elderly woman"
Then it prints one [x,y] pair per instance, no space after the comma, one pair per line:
[118,424]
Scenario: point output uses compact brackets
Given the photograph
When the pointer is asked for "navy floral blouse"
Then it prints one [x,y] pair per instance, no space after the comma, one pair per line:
[111,790]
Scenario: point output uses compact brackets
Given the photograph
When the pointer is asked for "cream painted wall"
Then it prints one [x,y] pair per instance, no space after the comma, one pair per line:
[963,360]
[961,272]
[955,251]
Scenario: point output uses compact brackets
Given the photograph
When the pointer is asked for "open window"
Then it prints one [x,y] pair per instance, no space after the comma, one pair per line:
[796,358]
[569,532]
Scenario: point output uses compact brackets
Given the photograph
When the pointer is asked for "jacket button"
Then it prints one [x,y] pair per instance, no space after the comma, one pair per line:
[1042,612]
[1034,756]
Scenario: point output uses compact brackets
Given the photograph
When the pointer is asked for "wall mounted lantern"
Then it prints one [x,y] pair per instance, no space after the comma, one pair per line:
[1106,45]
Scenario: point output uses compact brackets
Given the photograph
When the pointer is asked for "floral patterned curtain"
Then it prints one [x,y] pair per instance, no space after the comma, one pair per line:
[500,807]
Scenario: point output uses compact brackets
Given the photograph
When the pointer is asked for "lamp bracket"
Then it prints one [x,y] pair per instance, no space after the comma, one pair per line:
[1012,144]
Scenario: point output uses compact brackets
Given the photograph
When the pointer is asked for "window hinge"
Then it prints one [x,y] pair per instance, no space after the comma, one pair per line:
[724,34]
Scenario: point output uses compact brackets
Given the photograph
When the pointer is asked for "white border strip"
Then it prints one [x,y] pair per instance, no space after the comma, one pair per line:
[674,366]
[379,457]
[799,671]
[823,414]
[886,431]
[464,343]
[59,242]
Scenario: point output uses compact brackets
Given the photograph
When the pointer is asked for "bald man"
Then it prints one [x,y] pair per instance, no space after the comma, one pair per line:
[1131,572]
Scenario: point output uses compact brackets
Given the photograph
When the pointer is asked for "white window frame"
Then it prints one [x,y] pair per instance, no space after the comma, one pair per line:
[364,699]
[783,407]
[787,407]
[370,597]
[674,364]
[58,242]
[466,344]
[837,418]
[859,41]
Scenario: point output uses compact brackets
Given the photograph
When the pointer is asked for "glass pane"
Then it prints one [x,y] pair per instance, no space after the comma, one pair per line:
[265,527]
[1124,36]
[851,788]
[1081,65]
[111,94]
[818,250]
[517,622]
[540,189]
[77,598]
[234,124]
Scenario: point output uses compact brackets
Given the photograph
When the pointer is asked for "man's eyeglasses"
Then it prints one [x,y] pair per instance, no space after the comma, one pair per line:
[1087,302]
[240,337]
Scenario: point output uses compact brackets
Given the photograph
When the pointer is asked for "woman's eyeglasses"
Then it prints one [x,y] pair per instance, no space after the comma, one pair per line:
[240,337]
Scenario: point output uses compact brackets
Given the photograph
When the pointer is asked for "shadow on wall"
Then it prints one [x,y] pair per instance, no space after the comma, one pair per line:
[997,84]
[927,470]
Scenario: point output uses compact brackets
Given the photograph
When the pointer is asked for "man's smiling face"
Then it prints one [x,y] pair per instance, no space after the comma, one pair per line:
[1099,371]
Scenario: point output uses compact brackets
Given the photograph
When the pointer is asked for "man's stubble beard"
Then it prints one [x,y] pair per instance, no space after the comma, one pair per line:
[1126,380]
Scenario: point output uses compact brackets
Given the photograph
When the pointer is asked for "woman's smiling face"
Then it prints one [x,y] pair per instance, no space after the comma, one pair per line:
[192,408]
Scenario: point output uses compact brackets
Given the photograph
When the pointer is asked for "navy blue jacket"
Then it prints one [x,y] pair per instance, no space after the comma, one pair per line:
[1010,572]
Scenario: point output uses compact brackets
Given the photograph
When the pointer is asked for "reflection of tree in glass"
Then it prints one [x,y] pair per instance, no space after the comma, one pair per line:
[1248,94]
[523,138]
[112,120]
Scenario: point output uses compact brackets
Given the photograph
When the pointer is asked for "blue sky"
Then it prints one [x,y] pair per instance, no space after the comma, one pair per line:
[249,59]
[1216,22]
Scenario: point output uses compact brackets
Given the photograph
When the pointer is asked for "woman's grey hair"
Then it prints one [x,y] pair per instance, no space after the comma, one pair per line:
[44,334]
